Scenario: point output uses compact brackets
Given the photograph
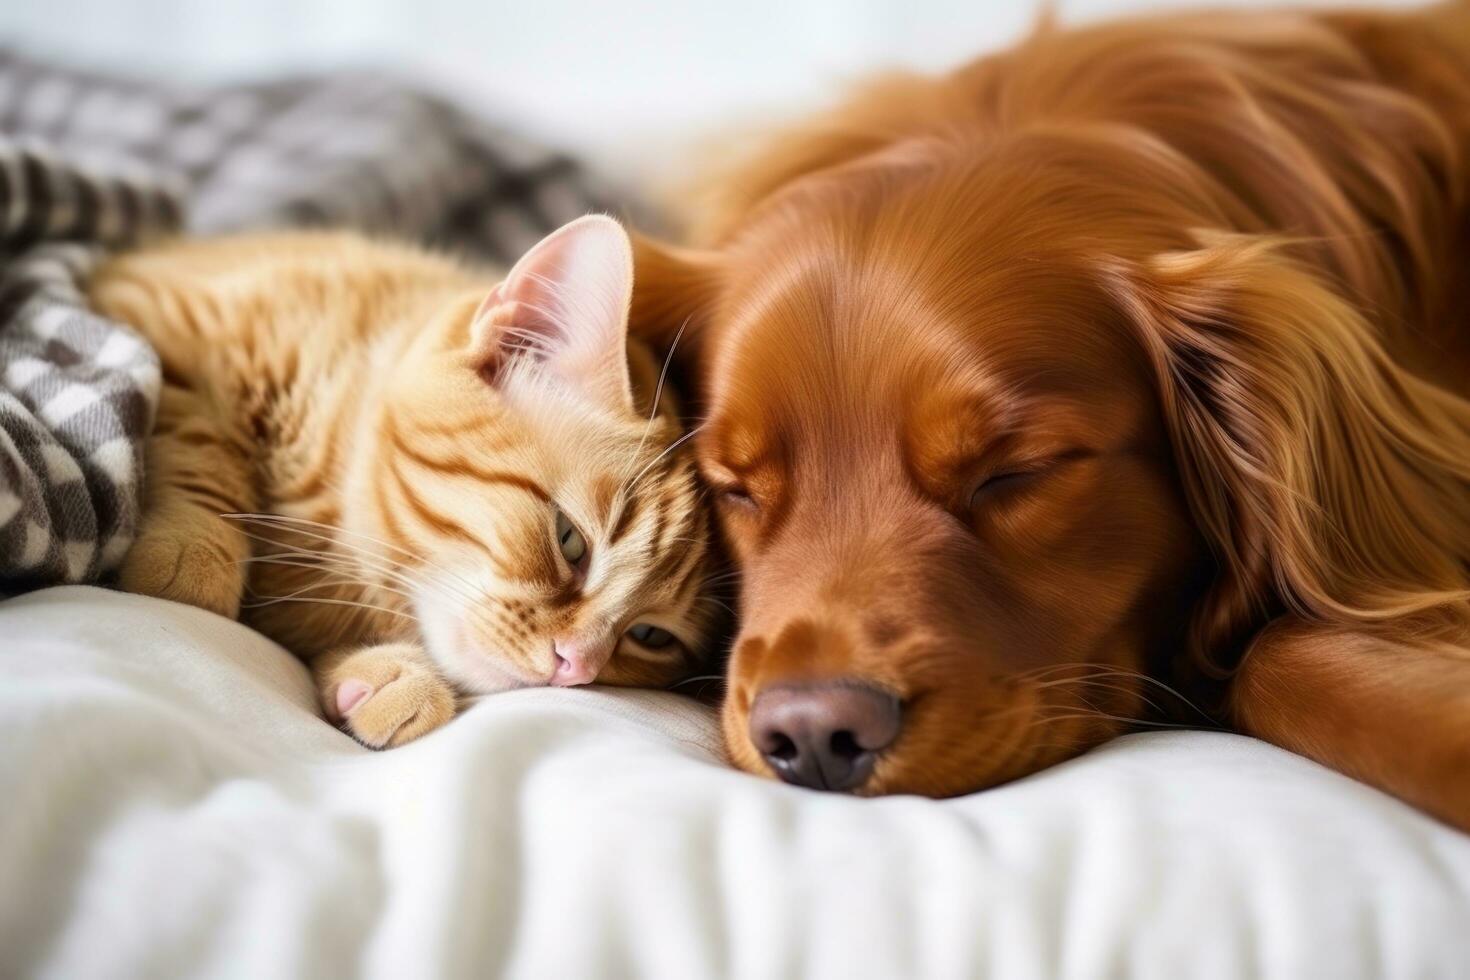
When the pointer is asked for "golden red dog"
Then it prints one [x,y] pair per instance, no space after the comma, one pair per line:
[1121,375]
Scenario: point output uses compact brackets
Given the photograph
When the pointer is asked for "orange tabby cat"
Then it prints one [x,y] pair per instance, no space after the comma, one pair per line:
[425,482]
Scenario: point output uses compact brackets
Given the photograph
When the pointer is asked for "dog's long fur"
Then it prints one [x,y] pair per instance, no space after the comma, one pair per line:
[1199,289]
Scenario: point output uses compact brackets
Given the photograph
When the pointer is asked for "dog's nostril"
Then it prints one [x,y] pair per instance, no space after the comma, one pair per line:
[825,736]
[845,746]
[781,747]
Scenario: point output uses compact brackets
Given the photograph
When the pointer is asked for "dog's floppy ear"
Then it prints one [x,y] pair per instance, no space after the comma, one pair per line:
[1329,481]
[675,292]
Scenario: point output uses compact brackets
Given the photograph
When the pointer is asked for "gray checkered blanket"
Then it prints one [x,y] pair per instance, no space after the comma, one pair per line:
[89,163]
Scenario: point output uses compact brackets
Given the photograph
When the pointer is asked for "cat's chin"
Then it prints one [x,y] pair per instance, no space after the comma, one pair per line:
[477,672]
[482,677]
[472,669]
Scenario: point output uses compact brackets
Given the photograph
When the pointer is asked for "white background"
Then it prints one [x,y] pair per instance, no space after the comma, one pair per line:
[628,82]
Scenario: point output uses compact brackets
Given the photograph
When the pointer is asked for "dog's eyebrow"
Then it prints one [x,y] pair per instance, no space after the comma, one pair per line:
[742,467]
[740,449]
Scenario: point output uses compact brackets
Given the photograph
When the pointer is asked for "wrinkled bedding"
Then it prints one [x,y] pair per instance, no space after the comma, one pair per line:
[174,806]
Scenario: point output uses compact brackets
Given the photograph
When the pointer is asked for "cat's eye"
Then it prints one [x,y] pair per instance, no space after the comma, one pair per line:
[570,540]
[650,637]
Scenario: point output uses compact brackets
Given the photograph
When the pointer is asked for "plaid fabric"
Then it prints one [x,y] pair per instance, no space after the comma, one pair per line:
[76,391]
[88,161]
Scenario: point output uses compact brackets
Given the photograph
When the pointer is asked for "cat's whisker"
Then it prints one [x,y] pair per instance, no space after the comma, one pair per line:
[326,561]
[318,531]
[267,600]
[632,484]
[300,525]
[320,528]
[720,581]
[336,575]
[322,558]
[715,602]
[381,563]
[702,677]
[658,393]
[317,563]
[340,581]
[346,602]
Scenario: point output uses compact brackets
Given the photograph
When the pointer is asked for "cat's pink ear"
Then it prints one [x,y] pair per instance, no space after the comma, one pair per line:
[565,304]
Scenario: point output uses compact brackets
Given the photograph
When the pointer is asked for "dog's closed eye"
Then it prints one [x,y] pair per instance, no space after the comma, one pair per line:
[737,496]
[1002,483]
[999,484]
[730,489]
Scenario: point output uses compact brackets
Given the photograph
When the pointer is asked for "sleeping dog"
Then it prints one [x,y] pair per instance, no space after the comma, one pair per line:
[1116,379]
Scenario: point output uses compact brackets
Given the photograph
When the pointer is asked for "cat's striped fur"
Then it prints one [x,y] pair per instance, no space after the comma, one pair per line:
[404,444]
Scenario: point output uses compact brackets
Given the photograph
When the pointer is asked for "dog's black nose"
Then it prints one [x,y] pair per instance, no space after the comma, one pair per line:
[824,736]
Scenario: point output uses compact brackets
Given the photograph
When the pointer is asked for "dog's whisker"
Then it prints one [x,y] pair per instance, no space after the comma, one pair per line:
[1103,684]
[1105,716]
[1113,672]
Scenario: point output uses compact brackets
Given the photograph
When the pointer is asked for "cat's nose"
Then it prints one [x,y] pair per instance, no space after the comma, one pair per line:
[578,662]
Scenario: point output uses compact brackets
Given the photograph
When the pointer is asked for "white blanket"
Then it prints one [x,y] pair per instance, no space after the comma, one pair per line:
[172,805]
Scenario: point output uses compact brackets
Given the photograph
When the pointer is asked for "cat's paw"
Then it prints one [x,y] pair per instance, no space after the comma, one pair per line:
[172,565]
[384,699]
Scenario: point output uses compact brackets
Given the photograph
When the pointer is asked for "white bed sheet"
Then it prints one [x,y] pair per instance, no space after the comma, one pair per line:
[172,805]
